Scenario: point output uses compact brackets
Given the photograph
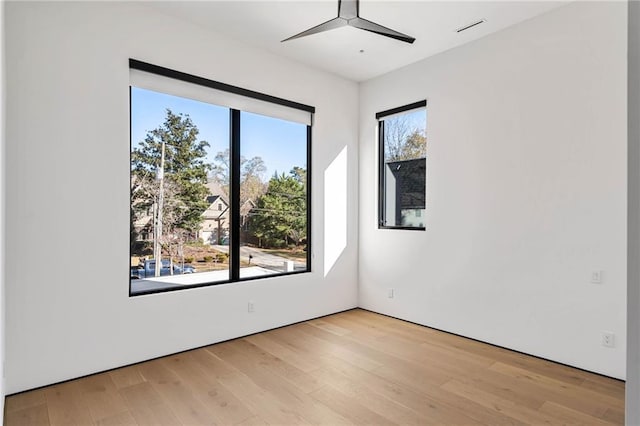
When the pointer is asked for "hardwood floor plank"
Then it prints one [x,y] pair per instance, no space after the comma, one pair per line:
[349,408]
[572,417]
[380,325]
[395,405]
[175,393]
[253,421]
[413,375]
[122,419]
[576,397]
[258,400]
[293,339]
[336,346]
[327,326]
[244,357]
[354,351]
[277,349]
[224,406]
[100,395]
[34,415]
[25,400]
[398,353]
[364,382]
[500,405]
[480,349]
[146,406]
[614,415]
[437,397]
[505,387]
[251,355]
[65,405]
[613,388]
[125,377]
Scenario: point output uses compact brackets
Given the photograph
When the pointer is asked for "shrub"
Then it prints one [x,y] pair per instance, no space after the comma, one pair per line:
[196,243]
[208,258]
[188,259]
[141,248]
[222,257]
[278,244]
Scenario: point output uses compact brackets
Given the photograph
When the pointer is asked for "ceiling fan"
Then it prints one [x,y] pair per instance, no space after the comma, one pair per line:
[349,15]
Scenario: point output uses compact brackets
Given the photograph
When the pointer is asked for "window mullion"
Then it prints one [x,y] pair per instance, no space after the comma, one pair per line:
[381,154]
[308,206]
[234,195]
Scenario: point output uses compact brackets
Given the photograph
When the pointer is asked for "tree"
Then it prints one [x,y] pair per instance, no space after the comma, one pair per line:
[185,174]
[251,184]
[251,175]
[402,141]
[300,174]
[415,146]
[280,214]
[221,170]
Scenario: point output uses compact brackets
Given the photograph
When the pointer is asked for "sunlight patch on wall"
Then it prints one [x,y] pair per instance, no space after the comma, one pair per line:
[335,210]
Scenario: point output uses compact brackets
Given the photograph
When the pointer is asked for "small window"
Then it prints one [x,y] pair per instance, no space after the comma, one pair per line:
[402,134]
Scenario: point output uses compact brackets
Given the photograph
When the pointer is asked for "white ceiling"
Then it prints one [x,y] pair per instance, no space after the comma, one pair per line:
[433,23]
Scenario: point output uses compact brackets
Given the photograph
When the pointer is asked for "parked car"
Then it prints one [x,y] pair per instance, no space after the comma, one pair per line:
[147,269]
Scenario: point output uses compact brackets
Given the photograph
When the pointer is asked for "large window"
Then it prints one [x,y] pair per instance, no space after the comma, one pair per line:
[402,134]
[220,182]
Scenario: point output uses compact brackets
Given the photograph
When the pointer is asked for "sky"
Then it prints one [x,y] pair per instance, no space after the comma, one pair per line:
[416,119]
[281,144]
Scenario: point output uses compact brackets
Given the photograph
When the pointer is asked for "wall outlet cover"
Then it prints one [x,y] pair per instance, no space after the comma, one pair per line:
[608,339]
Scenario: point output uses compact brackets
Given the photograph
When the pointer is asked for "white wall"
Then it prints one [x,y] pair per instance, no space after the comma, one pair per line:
[526,190]
[2,207]
[633,260]
[67,201]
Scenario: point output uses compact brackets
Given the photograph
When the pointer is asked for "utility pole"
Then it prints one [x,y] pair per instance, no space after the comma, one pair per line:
[157,248]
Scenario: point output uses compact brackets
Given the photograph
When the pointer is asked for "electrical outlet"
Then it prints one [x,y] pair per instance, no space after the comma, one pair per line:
[250,307]
[596,277]
[390,293]
[608,339]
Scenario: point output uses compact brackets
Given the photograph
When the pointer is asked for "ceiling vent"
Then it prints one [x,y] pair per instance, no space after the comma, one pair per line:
[466,27]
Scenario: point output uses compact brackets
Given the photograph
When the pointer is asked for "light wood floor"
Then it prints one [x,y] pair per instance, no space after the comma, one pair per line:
[355,367]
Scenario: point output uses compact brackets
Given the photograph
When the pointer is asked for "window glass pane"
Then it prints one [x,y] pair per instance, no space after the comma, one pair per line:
[273,196]
[404,169]
[175,196]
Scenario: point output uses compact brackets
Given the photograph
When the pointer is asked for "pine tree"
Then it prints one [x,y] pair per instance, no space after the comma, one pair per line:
[185,173]
[280,214]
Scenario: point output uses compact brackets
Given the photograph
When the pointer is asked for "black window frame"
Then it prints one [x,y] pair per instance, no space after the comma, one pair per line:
[381,164]
[234,184]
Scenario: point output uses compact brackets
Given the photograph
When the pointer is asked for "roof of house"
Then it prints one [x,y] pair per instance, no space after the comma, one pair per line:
[215,189]
[213,198]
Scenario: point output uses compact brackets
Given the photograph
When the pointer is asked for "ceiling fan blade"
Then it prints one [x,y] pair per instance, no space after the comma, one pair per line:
[348,9]
[325,26]
[366,25]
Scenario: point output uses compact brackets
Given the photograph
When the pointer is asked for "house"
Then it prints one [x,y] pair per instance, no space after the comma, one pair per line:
[215,219]
[215,224]
[405,187]
[532,177]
